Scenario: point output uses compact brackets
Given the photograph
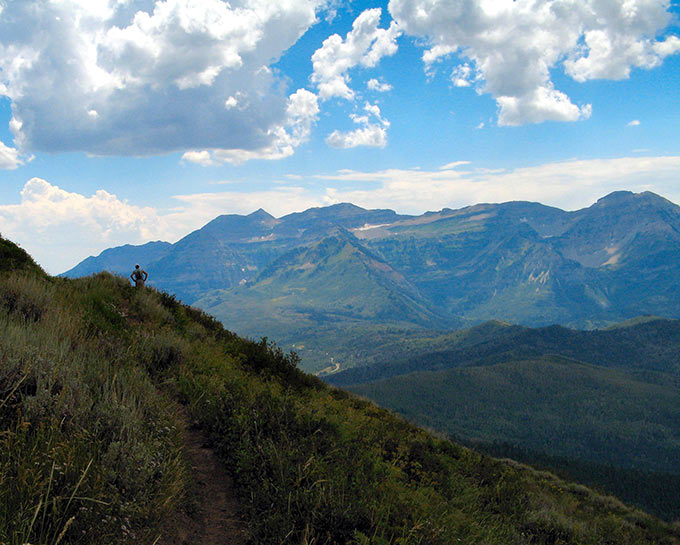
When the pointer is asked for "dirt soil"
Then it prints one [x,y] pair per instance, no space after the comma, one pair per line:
[215,520]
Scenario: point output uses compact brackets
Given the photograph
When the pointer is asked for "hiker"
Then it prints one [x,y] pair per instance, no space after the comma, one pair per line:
[139,276]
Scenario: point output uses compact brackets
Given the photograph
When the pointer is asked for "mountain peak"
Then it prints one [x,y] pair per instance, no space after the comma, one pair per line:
[615,198]
[260,213]
[346,206]
[620,197]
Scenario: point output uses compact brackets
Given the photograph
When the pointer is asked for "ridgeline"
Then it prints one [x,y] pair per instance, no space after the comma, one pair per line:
[98,381]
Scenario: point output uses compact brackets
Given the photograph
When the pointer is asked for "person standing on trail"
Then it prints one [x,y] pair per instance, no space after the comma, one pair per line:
[139,276]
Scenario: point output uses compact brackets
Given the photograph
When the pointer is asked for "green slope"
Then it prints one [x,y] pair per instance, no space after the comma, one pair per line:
[303,300]
[91,374]
[14,259]
[590,422]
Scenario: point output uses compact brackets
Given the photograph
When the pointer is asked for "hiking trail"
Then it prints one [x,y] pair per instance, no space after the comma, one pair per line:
[216,519]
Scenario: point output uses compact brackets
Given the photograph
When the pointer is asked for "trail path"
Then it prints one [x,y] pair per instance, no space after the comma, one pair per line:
[216,520]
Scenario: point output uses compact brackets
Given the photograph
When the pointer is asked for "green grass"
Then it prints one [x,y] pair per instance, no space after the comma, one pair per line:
[91,372]
[90,448]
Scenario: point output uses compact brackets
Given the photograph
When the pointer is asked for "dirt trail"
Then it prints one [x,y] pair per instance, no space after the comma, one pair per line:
[216,520]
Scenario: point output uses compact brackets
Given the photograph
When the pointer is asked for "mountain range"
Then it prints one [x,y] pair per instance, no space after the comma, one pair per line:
[465,321]
[308,275]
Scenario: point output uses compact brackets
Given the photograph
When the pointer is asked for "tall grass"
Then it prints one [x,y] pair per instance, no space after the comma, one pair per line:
[315,465]
[90,451]
[91,442]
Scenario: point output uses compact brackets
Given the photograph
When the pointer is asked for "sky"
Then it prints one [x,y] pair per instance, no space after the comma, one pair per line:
[125,121]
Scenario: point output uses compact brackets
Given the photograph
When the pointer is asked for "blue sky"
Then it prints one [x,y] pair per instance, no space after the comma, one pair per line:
[124,121]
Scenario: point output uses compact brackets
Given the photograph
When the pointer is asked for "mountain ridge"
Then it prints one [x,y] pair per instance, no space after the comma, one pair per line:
[521,262]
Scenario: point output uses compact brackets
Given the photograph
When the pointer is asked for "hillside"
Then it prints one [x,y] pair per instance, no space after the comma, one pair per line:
[91,375]
[604,401]
[650,344]
[554,405]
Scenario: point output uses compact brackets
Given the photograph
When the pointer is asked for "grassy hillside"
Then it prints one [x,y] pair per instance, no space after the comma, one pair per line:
[91,375]
[601,426]
[652,491]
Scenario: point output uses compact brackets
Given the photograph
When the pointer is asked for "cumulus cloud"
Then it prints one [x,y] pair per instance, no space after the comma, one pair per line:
[147,76]
[60,228]
[463,75]
[364,45]
[372,131]
[378,86]
[302,111]
[9,157]
[543,103]
[202,158]
[633,123]
[509,48]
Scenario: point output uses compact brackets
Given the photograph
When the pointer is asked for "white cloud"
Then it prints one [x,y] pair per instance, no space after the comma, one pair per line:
[633,123]
[540,104]
[9,157]
[302,111]
[46,219]
[364,45]
[231,102]
[202,158]
[378,86]
[567,184]
[140,77]
[60,228]
[508,48]
[371,134]
[463,75]
[454,164]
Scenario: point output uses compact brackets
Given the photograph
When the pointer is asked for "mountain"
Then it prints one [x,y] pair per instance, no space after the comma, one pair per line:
[120,260]
[102,384]
[623,228]
[535,265]
[519,262]
[229,250]
[309,285]
[650,345]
